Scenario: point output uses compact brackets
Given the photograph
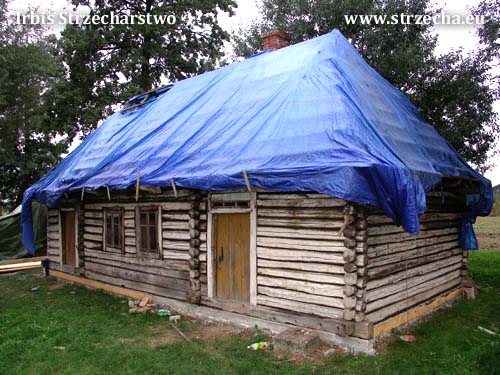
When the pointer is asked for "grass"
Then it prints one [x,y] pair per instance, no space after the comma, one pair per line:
[100,337]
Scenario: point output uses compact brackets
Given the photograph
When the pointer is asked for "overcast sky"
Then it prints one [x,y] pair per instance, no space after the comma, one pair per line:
[449,36]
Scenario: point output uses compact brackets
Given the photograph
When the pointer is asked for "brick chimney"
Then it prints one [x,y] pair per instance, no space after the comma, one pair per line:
[275,40]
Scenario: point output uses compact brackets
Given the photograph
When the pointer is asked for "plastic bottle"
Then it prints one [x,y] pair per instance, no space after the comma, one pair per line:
[261,345]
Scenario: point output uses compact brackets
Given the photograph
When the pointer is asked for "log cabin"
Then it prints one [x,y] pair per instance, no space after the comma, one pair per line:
[297,188]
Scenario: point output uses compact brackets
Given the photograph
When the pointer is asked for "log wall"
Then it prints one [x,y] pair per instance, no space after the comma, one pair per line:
[53,237]
[169,275]
[300,254]
[407,270]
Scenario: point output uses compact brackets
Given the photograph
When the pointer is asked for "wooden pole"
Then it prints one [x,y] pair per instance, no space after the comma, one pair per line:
[137,186]
[172,182]
[247,181]
[109,194]
[83,193]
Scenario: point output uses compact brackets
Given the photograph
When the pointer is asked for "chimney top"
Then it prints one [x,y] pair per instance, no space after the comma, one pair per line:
[275,40]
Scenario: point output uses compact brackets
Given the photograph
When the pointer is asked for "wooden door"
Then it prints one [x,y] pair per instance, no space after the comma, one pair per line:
[68,237]
[232,256]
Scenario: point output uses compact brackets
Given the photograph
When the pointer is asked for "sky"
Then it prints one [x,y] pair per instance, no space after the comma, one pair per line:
[450,37]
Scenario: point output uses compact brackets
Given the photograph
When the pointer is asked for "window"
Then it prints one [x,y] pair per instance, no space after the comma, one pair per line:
[113,228]
[147,225]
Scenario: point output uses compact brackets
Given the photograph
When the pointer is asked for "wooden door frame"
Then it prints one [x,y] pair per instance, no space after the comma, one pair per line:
[77,255]
[252,210]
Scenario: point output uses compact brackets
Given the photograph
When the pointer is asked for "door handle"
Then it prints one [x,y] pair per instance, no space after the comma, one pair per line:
[221,256]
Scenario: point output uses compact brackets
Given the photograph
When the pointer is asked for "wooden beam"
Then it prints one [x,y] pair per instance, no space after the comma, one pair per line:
[414,313]
[174,188]
[19,267]
[102,286]
[137,186]
[22,260]
[247,181]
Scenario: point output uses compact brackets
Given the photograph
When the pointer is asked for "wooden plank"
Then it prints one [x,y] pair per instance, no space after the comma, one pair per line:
[99,285]
[13,267]
[176,235]
[327,290]
[416,312]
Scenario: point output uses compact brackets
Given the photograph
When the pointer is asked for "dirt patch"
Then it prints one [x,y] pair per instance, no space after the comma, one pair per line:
[488,241]
[206,331]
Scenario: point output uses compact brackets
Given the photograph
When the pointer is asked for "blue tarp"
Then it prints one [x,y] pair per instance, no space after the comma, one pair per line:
[310,117]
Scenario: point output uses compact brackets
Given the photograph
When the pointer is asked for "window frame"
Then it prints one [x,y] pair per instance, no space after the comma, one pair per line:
[143,251]
[113,211]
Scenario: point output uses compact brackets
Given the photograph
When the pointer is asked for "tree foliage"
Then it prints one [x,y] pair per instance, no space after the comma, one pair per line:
[110,63]
[454,92]
[29,143]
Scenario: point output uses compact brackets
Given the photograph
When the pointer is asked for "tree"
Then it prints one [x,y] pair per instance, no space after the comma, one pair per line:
[110,63]
[29,143]
[453,92]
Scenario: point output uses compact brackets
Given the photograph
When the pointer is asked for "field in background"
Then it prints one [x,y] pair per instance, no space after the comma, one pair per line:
[488,232]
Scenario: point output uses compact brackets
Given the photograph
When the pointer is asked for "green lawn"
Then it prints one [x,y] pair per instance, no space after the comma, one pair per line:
[100,337]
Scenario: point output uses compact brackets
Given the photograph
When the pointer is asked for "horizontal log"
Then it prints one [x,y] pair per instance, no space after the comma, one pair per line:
[302,275]
[94,222]
[376,251]
[284,232]
[410,254]
[384,239]
[176,255]
[302,266]
[393,309]
[182,245]
[175,235]
[92,229]
[419,270]
[132,259]
[302,203]
[300,297]
[91,245]
[379,272]
[295,196]
[135,285]
[411,291]
[293,213]
[328,290]
[301,223]
[91,214]
[175,225]
[328,312]
[299,255]
[338,326]
[134,275]
[301,244]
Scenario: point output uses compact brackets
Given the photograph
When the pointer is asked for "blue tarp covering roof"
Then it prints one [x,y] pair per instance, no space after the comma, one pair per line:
[310,117]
